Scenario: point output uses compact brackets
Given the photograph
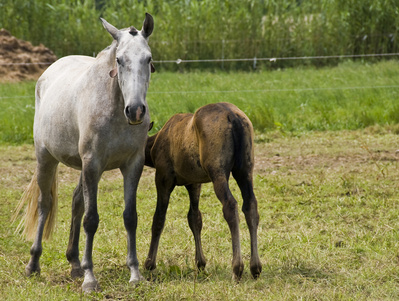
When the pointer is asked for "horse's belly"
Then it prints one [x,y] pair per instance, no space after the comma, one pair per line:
[191,174]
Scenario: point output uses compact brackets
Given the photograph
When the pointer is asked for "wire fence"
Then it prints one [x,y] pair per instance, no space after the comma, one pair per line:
[248,91]
[254,60]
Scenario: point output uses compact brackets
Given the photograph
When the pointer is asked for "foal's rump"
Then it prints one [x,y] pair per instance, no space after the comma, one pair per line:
[225,136]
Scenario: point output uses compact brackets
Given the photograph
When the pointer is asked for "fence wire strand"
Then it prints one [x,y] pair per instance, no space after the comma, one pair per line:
[270,59]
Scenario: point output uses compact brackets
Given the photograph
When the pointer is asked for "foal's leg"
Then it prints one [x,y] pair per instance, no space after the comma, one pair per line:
[230,213]
[46,170]
[131,176]
[90,178]
[195,222]
[72,253]
[165,186]
[250,209]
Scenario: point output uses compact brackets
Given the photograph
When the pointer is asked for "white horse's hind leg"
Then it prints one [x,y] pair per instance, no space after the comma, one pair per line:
[72,253]
[131,177]
[45,177]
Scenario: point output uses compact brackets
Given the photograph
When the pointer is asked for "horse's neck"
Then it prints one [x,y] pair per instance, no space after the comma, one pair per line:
[105,62]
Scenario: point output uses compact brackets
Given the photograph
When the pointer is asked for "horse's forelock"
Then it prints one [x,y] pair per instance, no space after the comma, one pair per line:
[133,31]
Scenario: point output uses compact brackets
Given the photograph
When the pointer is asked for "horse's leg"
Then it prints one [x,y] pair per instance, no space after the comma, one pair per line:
[230,213]
[131,176]
[165,186]
[90,178]
[195,222]
[72,253]
[46,170]
[250,209]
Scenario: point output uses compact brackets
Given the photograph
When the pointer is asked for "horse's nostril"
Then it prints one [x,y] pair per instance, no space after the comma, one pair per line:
[135,114]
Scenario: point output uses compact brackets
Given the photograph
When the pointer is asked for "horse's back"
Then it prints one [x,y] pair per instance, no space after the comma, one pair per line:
[61,75]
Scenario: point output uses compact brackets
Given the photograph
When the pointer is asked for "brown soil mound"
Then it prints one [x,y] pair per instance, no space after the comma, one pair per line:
[20,60]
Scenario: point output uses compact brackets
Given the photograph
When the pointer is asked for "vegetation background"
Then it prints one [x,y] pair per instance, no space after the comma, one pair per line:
[209,29]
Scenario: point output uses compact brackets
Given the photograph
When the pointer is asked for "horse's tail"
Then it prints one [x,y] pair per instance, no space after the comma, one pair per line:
[29,221]
[243,141]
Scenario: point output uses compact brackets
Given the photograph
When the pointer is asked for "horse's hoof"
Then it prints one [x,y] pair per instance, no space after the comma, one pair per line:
[136,279]
[256,270]
[89,287]
[134,282]
[32,269]
[77,273]
[237,272]
[236,278]
[149,265]
[201,265]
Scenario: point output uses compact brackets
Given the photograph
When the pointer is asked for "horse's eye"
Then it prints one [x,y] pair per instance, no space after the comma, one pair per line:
[118,61]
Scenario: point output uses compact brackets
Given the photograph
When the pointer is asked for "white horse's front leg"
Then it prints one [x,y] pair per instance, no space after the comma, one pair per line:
[90,179]
[131,176]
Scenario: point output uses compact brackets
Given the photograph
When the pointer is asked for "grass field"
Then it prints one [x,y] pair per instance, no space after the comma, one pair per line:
[328,231]
[349,96]
[326,179]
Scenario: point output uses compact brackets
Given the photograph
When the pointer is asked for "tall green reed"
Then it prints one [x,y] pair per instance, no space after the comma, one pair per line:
[208,29]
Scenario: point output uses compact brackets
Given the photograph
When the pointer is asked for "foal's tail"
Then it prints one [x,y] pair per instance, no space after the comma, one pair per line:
[29,221]
[243,142]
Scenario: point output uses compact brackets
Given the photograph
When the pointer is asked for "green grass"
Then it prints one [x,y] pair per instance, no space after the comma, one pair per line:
[17,109]
[349,96]
[328,229]
[294,100]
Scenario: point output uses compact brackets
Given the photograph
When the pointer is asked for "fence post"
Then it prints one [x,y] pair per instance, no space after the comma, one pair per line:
[223,54]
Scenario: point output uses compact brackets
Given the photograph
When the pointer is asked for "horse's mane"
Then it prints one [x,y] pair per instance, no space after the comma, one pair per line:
[108,51]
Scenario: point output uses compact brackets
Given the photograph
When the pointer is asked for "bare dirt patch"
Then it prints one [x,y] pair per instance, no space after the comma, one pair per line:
[347,150]
[337,153]
[20,60]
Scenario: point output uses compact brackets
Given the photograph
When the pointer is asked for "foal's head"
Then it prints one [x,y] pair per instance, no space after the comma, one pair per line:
[133,67]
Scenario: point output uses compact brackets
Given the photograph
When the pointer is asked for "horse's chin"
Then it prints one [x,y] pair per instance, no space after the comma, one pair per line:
[134,122]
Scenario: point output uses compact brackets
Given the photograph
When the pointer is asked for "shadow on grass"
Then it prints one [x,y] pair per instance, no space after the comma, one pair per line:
[295,268]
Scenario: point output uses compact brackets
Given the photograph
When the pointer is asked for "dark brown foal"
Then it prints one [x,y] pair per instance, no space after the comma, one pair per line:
[204,147]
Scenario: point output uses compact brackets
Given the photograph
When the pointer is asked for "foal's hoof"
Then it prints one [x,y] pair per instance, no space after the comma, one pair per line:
[91,286]
[77,273]
[201,265]
[237,272]
[256,270]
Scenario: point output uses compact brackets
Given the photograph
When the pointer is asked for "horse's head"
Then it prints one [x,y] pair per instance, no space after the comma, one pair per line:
[133,67]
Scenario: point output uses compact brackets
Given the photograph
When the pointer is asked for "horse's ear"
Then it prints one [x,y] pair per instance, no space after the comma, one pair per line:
[151,125]
[148,25]
[113,72]
[152,68]
[113,31]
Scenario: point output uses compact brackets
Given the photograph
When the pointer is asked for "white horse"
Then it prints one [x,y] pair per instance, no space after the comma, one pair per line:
[92,115]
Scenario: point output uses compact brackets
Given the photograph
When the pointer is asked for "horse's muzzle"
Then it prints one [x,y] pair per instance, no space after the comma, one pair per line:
[135,114]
